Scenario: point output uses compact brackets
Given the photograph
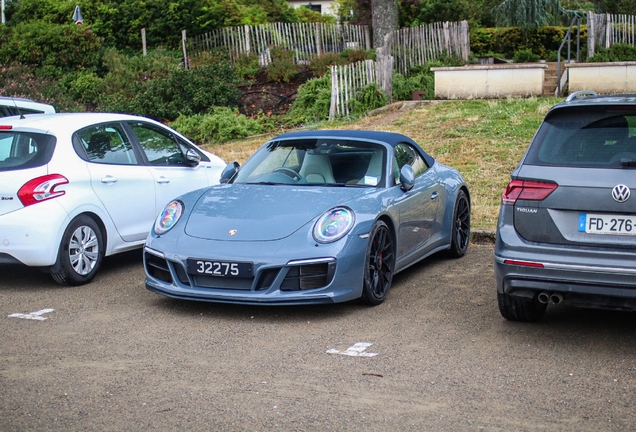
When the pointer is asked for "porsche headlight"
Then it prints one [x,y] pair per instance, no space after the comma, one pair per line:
[168,217]
[333,225]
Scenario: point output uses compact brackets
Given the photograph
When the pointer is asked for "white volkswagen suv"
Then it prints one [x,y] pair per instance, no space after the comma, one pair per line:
[77,187]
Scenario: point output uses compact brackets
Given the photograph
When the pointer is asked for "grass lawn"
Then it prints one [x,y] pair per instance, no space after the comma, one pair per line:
[483,139]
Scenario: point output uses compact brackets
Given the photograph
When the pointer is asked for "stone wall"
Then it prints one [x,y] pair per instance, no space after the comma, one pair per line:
[603,78]
[489,81]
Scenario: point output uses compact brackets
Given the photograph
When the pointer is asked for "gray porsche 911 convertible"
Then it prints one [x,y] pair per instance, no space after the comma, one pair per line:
[312,217]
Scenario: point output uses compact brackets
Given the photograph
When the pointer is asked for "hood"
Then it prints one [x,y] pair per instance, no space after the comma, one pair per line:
[262,212]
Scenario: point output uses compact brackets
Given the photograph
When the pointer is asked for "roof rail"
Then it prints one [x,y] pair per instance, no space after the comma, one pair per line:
[579,94]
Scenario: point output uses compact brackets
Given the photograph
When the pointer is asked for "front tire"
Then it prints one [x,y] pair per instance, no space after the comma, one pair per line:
[460,234]
[379,264]
[516,309]
[80,254]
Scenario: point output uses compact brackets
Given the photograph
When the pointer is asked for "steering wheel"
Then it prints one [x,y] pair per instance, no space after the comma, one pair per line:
[288,172]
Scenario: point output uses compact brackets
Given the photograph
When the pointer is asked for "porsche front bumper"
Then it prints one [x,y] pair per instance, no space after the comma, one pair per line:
[285,272]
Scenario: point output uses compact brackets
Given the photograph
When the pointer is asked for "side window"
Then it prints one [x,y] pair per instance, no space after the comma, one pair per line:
[160,147]
[107,144]
[405,154]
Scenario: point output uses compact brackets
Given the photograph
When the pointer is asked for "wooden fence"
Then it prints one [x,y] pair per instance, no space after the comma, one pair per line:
[348,80]
[305,39]
[415,46]
[603,30]
[402,50]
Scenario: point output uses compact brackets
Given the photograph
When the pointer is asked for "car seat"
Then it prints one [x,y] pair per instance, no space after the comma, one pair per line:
[317,168]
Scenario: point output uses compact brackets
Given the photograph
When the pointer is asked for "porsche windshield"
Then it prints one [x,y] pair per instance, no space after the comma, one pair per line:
[329,162]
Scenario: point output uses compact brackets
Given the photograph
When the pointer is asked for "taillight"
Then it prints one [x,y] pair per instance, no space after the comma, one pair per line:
[41,189]
[526,190]
[6,127]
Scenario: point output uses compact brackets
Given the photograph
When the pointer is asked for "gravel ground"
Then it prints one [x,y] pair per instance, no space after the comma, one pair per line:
[114,356]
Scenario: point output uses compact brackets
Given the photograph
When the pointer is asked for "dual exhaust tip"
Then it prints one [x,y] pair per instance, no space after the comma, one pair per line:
[545,298]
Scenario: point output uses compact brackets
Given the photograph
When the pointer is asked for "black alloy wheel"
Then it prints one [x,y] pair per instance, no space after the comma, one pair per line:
[379,265]
[460,235]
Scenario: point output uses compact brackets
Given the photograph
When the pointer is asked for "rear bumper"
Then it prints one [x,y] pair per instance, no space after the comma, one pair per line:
[590,288]
[32,235]
[581,276]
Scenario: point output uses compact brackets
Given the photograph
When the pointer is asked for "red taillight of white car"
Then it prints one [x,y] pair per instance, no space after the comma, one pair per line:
[526,190]
[41,189]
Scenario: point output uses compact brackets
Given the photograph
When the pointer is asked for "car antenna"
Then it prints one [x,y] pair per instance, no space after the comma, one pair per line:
[18,108]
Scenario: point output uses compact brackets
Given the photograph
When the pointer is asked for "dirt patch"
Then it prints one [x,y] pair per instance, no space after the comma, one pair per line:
[268,97]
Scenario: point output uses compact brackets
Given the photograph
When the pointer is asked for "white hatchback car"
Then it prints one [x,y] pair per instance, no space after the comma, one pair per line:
[77,187]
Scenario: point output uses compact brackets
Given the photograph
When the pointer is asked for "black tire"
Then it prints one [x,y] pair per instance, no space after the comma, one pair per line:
[379,264]
[516,309]
[81,252]
[460,234]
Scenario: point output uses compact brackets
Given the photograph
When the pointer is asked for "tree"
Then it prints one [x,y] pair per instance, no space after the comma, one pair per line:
[617,6]
[530,13]
[384,19]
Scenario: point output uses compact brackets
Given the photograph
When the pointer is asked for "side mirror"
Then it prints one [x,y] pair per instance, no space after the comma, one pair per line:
[407,178]
[192,157]
[229,171]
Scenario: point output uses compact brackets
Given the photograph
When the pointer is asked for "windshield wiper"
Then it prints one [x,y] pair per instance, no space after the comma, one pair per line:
[628,162]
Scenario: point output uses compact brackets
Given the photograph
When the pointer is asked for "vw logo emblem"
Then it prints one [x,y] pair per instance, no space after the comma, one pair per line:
[620,193]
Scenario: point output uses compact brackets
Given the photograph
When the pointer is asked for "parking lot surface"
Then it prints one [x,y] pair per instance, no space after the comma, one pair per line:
[437,355]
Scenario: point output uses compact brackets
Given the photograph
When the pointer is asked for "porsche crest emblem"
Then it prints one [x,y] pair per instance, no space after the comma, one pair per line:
[232,232]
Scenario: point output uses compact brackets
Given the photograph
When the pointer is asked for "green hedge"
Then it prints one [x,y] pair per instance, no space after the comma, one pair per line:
[58,48]
[506,41]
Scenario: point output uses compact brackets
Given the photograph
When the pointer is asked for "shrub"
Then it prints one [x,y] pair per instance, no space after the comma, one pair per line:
[313,101]
[525,56]
[615,53]
[368,99]
[124,72]
[57,48]
[403,87]
[24,81]
[508,40]
[220,125]
[183,91]
[354,55]
[553,56]
[282,68]
[321,64]
[84,87]
[247,66]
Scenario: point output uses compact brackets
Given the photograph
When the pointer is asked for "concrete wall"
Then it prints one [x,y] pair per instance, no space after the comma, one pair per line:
[603,78]
[489,81]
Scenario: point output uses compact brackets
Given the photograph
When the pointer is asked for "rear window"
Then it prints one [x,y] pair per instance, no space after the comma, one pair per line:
[19,150]
[586,138]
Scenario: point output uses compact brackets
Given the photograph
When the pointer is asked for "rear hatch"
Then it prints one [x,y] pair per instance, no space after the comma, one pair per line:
[577,180]
[23,157]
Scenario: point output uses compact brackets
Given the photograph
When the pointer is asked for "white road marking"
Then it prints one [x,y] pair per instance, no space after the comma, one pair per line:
[33,315]
[357,350]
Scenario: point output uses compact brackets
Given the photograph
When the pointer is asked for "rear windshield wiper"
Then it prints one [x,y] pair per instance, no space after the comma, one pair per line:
[628,162]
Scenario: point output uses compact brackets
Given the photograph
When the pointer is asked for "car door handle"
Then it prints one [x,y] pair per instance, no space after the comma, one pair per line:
[434,195]
[162,180]
[109,179]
